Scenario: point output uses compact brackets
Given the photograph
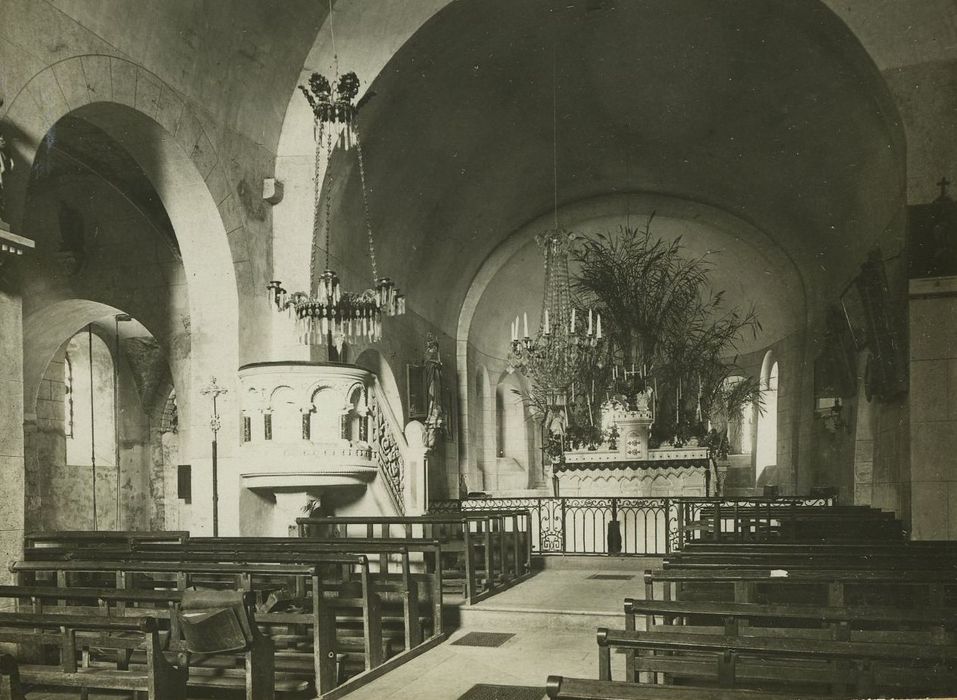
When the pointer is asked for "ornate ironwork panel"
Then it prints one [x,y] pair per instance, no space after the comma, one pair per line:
[388,456]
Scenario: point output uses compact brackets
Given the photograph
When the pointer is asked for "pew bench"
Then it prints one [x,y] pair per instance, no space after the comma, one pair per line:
[412,597]
[809,558]
[162,605]
[833,587]
[484,552]
[925,625]
[319,613]
[563,688]
[839,667]
[74,635]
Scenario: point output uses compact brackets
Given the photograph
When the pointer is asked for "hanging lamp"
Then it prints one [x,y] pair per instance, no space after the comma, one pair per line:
[329,315]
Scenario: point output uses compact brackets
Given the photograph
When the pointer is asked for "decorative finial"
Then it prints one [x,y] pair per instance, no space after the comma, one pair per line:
[215,390]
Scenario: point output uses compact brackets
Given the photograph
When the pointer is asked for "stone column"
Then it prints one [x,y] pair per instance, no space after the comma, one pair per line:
[933,407]
[11,405]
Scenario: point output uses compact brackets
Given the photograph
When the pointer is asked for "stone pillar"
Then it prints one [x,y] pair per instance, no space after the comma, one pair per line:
[11,420]
[933,407]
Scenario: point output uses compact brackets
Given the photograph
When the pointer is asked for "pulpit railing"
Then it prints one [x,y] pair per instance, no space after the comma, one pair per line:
[629,526]
[388,446]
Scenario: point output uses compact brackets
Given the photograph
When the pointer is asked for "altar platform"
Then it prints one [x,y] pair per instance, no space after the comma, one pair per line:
[667,471]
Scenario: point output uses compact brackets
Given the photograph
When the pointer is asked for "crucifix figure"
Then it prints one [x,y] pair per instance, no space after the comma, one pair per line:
[943,183]
[213,389]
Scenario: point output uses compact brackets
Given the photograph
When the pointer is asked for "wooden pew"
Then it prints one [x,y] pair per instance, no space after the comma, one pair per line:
[479,540]
[795,621]
[308,579]
[915,547]
[856,668]
[86,539]
[833,587]
[563,688]
[394,579]
[811,558]
[162,605]
[719,521]
[71,634]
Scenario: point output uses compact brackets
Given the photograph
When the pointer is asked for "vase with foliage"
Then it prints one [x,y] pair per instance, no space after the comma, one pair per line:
[666,330]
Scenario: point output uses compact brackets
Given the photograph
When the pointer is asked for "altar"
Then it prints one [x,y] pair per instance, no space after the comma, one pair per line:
[626,466]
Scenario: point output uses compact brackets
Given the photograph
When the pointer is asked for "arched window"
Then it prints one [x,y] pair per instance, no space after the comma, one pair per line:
[68,396]
[766,449]
[286,418]
[90,400]
[514,437]
[485,428]
[740,427]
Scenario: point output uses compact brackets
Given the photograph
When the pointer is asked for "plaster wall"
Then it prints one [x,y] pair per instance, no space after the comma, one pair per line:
[60,490]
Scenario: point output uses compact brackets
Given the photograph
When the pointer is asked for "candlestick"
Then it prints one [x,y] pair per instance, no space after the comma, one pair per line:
[589,323]
[525,314]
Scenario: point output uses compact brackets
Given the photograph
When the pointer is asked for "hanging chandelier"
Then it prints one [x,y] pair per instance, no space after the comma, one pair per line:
[554,356]
[563,339]
[331,316]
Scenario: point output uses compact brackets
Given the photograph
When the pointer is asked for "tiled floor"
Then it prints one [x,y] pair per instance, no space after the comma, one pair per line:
[448,671]
[542,644]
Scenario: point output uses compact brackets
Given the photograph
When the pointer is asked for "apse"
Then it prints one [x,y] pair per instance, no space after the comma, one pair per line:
[493,110]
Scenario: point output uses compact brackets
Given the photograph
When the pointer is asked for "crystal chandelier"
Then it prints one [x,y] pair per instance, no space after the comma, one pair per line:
[331,316]
[563,338]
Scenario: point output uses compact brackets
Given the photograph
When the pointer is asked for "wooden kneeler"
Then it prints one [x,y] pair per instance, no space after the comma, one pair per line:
[218,622]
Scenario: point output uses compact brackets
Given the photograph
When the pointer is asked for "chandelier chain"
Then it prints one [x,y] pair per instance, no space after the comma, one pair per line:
[365,206]
[332,36]
[328,199]
[319,128]
[554,136]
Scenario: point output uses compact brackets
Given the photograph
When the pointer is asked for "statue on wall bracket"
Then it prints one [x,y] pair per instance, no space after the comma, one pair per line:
[6,167]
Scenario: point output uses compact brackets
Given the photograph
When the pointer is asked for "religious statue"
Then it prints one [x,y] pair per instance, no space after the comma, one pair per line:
[435,420]
[643,400]
[6,167]
[556,422]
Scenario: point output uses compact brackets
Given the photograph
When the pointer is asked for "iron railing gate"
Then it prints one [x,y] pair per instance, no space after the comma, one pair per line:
[627,526]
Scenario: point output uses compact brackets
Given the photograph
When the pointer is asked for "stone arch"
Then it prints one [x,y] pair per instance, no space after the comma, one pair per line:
[79,81]
[155,125]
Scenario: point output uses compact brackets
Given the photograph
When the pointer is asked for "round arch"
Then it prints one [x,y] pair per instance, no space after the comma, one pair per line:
[156,127]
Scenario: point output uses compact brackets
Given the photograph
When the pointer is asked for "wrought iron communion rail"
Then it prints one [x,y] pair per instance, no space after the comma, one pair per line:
[626,526]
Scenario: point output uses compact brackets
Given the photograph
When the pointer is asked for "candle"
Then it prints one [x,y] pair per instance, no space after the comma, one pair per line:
[598,327]
[589,323]
[512,328]
[573,322]
[548,328]
[525,314]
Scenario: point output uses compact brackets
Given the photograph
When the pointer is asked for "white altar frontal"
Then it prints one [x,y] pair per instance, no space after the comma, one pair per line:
[627,467]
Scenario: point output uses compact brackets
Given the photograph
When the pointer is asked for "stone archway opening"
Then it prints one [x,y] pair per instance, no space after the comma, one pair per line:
[137,228]
[94,452]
